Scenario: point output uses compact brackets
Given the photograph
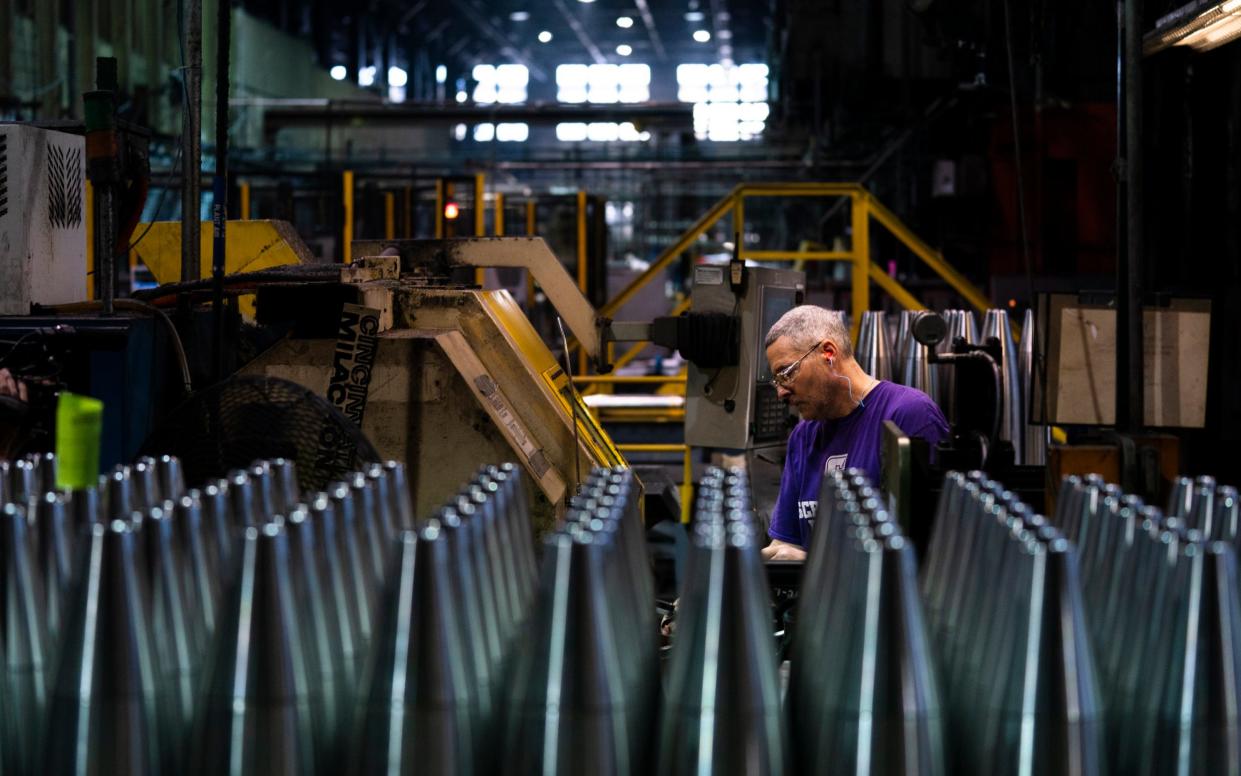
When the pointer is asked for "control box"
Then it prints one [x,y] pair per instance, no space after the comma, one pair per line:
[42,218]
[735,407]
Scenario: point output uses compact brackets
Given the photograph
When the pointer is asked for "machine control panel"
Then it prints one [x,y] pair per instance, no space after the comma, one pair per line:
[736,407]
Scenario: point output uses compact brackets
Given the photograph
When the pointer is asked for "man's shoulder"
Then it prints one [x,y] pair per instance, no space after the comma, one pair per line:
[901,398]
[914,411]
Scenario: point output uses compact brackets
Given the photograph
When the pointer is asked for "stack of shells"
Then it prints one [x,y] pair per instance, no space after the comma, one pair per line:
[1164,612]
[246,627]
[1014,415]
[1007,618]
[585,678]
[863,696]
[874,351]
[914,367]
[961,324]
[721,711]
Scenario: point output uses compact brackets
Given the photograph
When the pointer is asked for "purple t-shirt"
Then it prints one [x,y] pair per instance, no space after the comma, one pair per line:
[819,446]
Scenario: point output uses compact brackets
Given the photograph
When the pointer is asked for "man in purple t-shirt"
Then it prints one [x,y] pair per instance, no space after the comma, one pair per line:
[842,410]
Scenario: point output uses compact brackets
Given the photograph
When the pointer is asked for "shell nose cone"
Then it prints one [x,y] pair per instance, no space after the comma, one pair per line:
[104,708]
[257,717]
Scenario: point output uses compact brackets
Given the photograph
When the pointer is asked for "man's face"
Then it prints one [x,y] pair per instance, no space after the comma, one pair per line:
[808,387]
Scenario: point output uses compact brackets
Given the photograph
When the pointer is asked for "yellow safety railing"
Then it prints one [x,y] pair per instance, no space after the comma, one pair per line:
[865,209]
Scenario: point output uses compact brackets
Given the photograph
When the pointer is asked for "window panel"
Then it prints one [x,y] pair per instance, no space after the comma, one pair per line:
[729,100]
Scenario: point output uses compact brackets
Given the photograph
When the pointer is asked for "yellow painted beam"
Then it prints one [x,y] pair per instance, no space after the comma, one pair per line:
[389,215]
[798,255]
[498,217]
[628,379]
[532,228]
[581,264]
[480,221]
[252,245]
[860,276]
[346,233]
[245,201]
[439,208]
[408,214]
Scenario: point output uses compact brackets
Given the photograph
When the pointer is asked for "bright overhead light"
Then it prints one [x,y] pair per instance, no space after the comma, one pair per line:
[397,76]
[519,16]
[441,74]
[366,76]
[624,22]
[694,16]
[624,49]
[545,37]
[338,72]
[586,1]
[462,96]
[702,36]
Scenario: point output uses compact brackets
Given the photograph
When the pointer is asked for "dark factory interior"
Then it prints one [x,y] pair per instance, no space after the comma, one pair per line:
[620,386]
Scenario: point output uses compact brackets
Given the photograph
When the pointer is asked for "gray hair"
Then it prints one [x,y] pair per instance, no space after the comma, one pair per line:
[807,324]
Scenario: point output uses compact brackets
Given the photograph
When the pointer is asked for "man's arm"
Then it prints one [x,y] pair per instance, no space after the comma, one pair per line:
[779,550]
[11,386]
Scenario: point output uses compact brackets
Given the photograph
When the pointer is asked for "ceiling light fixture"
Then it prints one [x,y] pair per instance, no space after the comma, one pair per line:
[702,36]
[519,16]
[441,73]
[545,37]
[397,76]
[694,16]
[338,72]
[1198,27]
[624,49]
[366,76]
[624,22]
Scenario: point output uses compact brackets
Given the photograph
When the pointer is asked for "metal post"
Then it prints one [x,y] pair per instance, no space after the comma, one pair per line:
[244,215]
[581,265]
[480,221]
[531,230]
[409,212]
[498,219]
[191,144]
[739,224]
[861,260]
[389,215]
[1130,398]
[346,236]
[219,184]
[103,170]
[439,208]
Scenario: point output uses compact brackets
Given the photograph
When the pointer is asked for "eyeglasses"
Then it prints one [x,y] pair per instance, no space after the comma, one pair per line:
[783,377]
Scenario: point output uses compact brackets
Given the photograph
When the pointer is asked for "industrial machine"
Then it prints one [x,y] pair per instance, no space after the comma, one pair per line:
[441,374]
[42,221]
[735,406]
[731,404]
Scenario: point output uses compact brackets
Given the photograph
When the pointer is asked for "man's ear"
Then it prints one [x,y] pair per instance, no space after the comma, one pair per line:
[829,351]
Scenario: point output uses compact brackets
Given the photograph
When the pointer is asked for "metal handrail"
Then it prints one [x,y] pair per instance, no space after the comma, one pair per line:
[866,207]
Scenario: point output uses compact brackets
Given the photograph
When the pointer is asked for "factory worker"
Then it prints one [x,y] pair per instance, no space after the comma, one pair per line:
[842,413]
